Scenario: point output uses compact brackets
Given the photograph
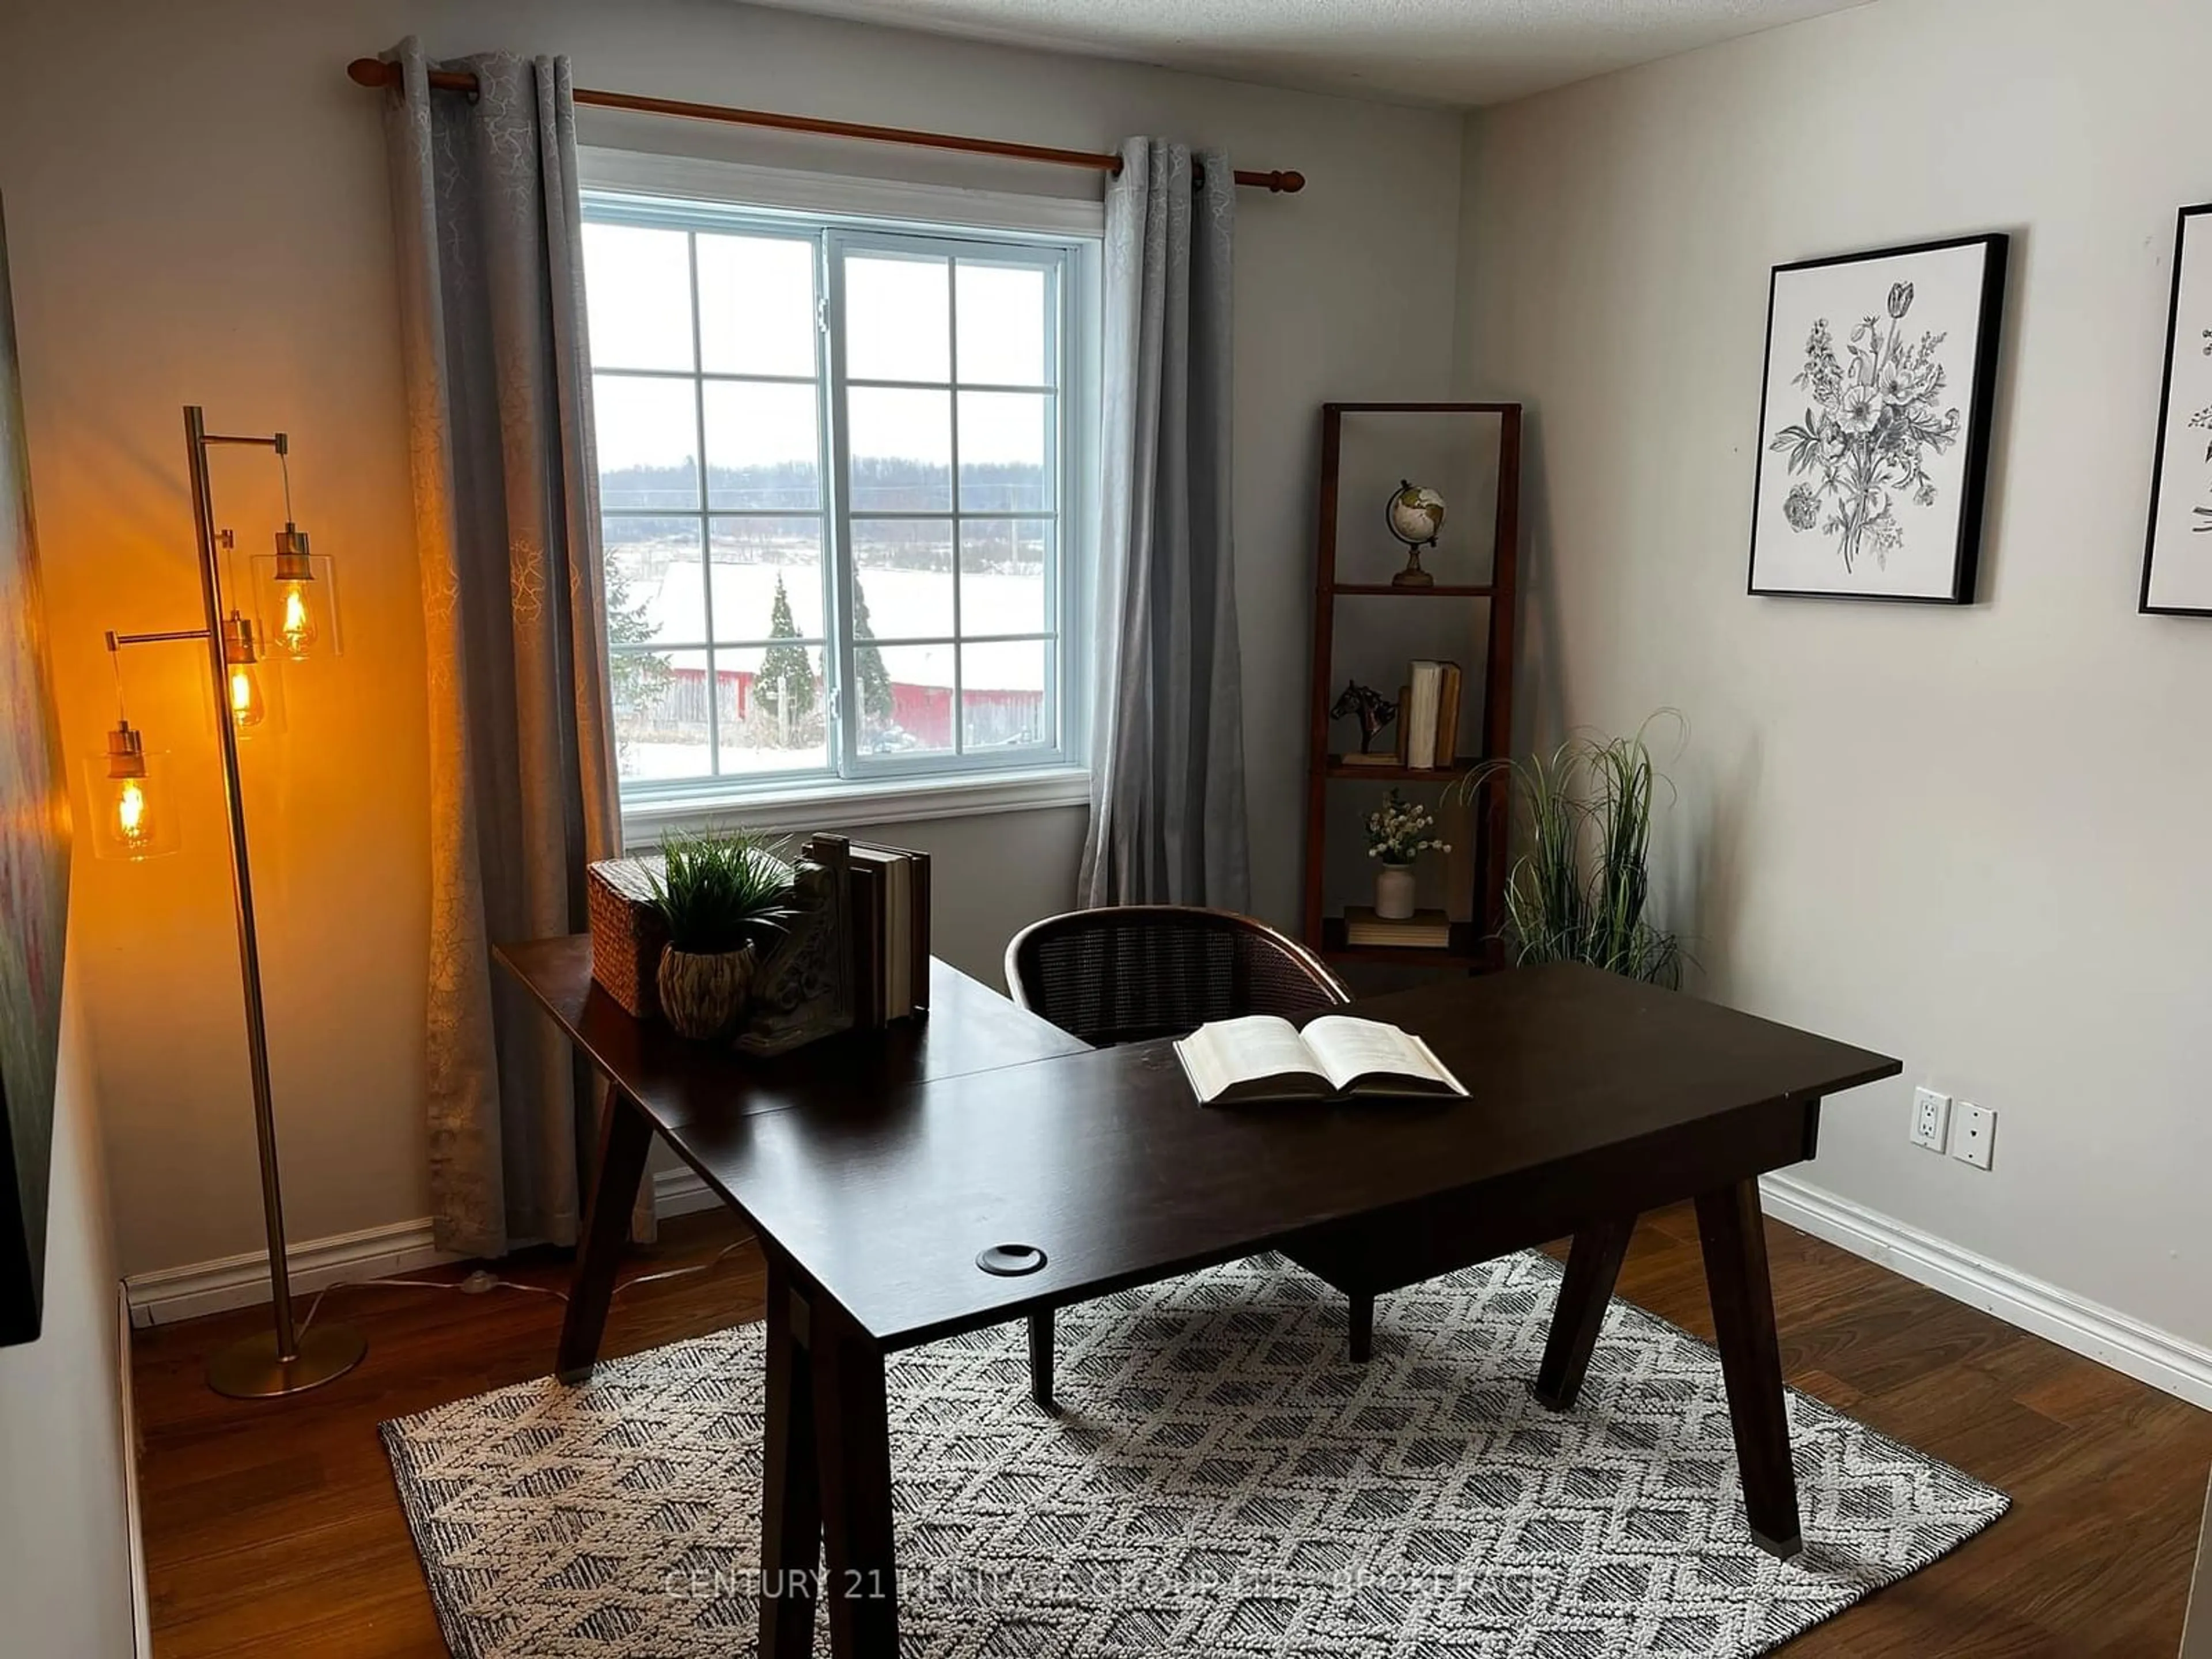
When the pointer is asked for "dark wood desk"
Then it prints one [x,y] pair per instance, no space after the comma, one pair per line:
[875,1168]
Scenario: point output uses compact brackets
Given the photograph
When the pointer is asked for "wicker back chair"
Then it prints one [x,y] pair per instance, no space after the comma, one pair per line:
[1131,972]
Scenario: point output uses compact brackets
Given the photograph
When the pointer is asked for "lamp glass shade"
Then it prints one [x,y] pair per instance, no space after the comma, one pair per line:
[295,598]
[252,681]
[251,696]
[131,809]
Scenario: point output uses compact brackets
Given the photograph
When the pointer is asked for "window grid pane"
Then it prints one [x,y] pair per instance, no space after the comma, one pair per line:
[649,325]
[762,447]
[1017,350]
[756,305]
[994,546]
[1009,498]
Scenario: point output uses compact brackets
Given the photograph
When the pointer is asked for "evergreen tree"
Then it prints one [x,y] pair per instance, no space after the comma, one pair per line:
[784,670]
[637,680]
[868,665]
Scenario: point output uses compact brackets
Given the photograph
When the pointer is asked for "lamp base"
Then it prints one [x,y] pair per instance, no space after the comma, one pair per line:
[251,1370]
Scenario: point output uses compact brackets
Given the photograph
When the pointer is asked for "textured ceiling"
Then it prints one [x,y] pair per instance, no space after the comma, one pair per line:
[1457,52]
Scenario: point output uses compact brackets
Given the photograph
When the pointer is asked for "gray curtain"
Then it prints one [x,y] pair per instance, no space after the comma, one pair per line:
[522,773]
[1167,791]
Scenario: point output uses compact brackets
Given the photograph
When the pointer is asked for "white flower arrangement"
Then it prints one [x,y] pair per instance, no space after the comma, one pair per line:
[1398,831]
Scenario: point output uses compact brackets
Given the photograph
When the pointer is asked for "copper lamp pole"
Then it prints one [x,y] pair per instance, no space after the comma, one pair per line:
[285,1359]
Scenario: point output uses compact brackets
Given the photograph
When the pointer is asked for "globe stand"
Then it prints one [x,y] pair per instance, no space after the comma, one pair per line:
[1413,575]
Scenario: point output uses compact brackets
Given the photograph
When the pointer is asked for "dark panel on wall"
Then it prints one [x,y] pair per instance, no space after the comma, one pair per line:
[34,854]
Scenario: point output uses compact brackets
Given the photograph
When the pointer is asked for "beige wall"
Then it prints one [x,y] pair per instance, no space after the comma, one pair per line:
[66,1550]
[1970,838]
[198,212]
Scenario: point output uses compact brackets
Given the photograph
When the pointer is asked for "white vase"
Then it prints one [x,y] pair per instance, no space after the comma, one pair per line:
[1394,892]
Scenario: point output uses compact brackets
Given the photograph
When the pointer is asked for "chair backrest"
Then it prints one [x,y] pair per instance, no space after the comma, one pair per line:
[1125,973]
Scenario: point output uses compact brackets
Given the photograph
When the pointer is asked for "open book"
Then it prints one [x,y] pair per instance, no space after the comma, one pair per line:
[1263,1057]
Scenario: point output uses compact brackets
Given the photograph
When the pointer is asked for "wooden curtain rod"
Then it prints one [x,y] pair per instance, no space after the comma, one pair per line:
[375,72]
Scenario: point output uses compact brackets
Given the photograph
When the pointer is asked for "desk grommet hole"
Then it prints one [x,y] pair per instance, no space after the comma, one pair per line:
[1011,1260]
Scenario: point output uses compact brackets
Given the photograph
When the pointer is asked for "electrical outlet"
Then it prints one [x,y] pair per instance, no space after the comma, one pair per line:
[1977,1134]
[1931,1119]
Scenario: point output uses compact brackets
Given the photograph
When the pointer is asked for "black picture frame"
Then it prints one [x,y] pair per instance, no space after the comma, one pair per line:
[2166,391]
[1973,441]
[35,865]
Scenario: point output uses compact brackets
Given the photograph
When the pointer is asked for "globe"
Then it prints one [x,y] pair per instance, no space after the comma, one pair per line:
[1416,513]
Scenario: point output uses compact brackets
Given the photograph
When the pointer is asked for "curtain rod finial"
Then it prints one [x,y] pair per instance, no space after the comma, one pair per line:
[372,72]
[1288,184]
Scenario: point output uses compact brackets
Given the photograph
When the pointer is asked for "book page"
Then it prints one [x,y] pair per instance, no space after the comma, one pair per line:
[1350,1049]
[1229,1051]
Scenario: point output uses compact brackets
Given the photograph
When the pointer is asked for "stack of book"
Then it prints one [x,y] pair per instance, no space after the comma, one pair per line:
[889,913]
[1428,716]
[1427,929]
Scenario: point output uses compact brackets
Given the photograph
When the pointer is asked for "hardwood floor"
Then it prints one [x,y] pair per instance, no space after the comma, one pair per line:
[274,1529]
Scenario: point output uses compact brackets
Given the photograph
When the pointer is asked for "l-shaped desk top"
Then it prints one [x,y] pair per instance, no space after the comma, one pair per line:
[882,1163]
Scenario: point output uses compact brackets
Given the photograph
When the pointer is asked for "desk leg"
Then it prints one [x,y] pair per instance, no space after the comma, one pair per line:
[791,1488]
[1041,1357]
[1734,1235]
[852,1423]
[625,1137]
[1585,1290]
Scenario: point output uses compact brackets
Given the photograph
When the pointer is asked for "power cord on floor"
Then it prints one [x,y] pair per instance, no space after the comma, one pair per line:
[483,1281]
[685,1272]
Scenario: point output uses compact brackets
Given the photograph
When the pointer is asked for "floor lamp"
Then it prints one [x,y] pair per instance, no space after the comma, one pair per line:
[287,613]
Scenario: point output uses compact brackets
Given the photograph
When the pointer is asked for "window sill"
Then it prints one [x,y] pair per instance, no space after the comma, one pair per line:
[840,804]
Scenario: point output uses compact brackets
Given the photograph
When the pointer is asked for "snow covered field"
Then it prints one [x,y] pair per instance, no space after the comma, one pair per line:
[1002,683]
[901,604]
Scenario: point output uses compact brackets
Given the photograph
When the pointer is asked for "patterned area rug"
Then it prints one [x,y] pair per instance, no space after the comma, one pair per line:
[1223,1482]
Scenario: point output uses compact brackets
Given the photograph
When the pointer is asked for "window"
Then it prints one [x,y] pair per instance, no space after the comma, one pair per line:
[837,472]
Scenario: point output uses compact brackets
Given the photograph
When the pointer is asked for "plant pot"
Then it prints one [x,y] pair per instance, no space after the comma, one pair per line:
[703,996]
[1394,892]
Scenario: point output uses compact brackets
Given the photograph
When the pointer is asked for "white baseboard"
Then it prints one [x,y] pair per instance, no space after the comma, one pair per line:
[2104,1334]
[169,1294]
[680,1192]
[142,1606]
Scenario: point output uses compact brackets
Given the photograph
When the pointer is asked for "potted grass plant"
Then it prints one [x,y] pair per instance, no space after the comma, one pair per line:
[1579,889]
[722,897]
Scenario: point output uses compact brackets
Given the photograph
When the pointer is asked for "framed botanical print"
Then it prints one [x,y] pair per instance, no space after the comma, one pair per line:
[1874,423]
[2177,577]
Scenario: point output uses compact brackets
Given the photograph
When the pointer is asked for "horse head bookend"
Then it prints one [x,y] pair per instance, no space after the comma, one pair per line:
[1374,711]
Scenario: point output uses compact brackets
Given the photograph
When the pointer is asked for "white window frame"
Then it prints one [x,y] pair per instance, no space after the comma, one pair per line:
[858,214]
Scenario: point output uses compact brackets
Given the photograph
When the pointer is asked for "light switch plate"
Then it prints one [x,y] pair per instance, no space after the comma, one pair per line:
[1931,1119]
[1977,1136]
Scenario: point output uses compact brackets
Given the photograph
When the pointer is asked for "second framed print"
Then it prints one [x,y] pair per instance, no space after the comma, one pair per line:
[2177,576]
[1873,424]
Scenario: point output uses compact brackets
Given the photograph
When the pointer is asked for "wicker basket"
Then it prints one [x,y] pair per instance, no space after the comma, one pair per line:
[627,934]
